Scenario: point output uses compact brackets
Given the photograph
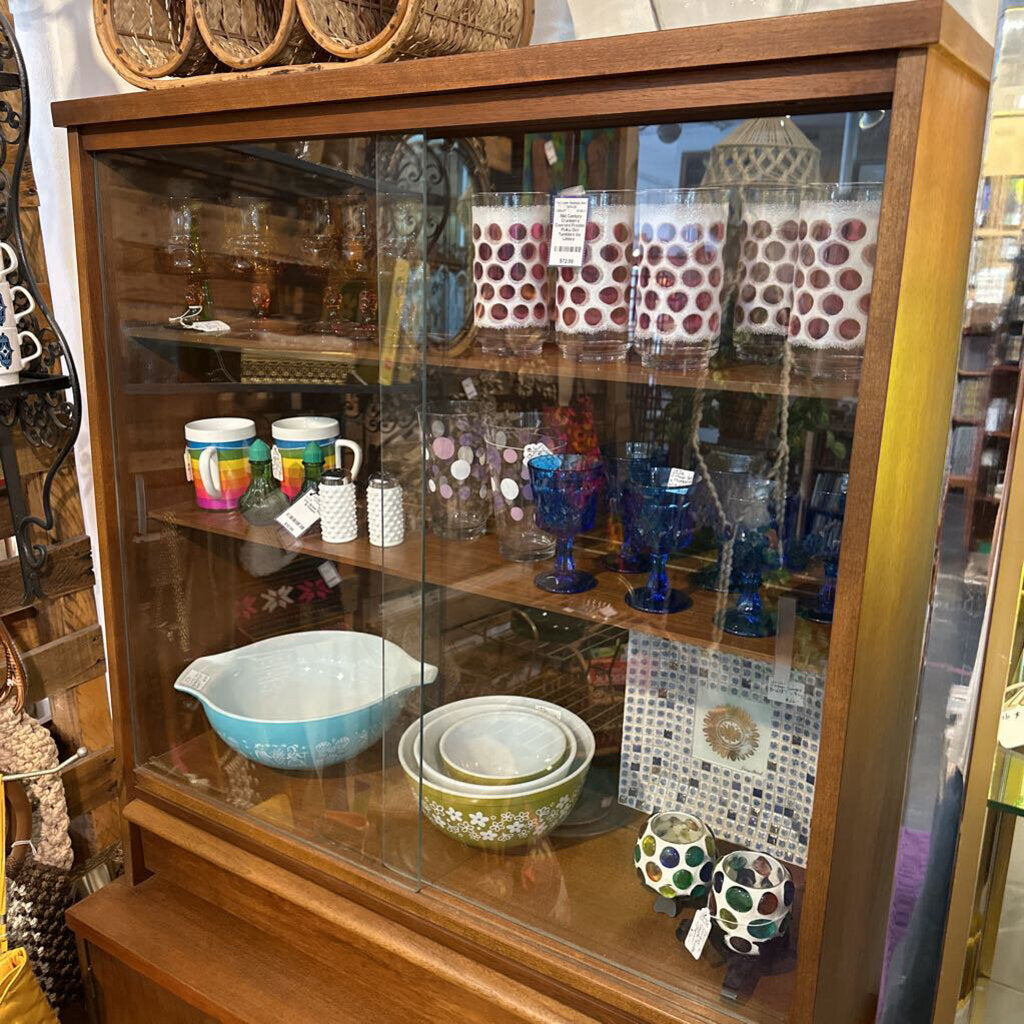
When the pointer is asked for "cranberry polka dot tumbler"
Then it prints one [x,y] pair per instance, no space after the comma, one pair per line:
[681,235]
[769,224]
[592,301]
[832,288]
[511,235]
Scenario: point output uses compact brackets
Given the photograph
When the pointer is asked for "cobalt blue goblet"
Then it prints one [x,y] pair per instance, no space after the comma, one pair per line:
[824,605]
[753,551]
[629,460]
[659,513]
[566,489]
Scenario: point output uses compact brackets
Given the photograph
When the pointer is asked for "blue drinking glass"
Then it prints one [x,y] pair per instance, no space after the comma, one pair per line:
[566,489]
[629,461]
[823,607]
[752,553]
[659,512]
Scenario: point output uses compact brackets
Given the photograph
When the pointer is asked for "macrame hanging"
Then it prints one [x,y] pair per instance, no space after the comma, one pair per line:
[764,151]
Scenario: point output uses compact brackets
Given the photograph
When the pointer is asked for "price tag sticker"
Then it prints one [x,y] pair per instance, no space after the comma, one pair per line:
[195,679]
[680,477]
[700,929]
[569,231]
[276,463]
[188,466]
[782,686]
[550,153]
[469,387]
[298,518]
[534,451]
[209,326]
[329,572]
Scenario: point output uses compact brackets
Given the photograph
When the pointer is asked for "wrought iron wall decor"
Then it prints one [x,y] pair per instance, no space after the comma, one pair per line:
[46,402]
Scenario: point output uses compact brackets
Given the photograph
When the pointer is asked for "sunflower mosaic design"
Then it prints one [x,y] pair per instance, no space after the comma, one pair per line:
[731,732]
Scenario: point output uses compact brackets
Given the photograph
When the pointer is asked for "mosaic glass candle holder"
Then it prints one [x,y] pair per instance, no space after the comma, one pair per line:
[822,608]
[751,900]
[629,460]
[566,489]
[674,856]
[681,235]
[458,483]
[832,288]
[659,513]
[769,226]
[509,438]
[511,234]
[592,301]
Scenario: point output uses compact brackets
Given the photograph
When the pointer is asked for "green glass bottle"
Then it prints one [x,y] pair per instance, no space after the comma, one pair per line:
[313,467]
[263,500]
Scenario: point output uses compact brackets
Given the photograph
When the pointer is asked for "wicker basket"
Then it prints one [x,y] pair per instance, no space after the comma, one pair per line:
[147,39]
[248,34]
[404,29]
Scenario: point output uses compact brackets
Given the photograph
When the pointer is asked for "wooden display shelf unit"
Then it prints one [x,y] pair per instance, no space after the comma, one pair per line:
[918,58]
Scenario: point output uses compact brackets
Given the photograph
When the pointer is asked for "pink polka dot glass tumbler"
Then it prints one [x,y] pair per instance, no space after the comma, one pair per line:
[681,233]
[835,268]
[511,438]
[769,224]
[458,486]
[592,301]
[511,232]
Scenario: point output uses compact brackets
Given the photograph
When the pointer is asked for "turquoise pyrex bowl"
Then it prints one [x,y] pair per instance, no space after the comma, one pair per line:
[305,700]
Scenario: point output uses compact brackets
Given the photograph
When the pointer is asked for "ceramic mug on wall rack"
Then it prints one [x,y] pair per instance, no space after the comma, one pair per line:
[12,359]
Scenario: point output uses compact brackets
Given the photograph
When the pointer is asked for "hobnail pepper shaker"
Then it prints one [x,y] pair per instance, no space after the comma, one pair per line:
[384,511]
[338,520]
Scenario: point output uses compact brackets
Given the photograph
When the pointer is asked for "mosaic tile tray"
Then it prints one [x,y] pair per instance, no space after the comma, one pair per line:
[700,734]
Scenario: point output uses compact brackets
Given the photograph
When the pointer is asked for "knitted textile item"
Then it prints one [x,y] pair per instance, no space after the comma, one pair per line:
[26,746]
[37,897]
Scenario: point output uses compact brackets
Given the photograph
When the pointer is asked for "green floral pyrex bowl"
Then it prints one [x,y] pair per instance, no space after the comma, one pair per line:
[501,822]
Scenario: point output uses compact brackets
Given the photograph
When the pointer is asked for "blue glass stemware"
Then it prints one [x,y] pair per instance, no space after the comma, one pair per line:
[659,513]
[823,607]
[629,460]
[566,489]
[752,553]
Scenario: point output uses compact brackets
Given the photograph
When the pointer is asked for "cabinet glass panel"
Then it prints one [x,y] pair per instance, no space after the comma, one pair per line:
[603,448]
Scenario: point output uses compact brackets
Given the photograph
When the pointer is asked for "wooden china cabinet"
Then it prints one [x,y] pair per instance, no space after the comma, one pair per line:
[325,217]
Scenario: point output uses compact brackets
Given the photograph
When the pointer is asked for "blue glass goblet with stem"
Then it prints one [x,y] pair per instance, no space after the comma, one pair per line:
[626,461]
[659,511]
[753,551]
[823,607]
[566,489]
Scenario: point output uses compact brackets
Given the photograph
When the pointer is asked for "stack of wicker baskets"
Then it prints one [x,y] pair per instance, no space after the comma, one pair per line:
[154,43]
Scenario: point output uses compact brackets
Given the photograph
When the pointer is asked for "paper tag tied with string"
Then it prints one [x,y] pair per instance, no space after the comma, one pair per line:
[535,451]
[329,573]
[210,326]
[680,477]
[301,516]
[276,463]
[188,466]
[569,230]
[700,929]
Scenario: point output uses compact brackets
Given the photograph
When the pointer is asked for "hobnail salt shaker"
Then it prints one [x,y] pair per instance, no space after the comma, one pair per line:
[384,511]
[338,519]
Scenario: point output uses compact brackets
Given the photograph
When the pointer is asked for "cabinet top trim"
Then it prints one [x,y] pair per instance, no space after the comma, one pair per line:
[889,28]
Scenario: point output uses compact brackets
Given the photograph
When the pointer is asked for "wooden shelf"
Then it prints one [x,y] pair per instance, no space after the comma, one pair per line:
[999,433]
[475,567]
[974,373]
[959,483]
[284,340]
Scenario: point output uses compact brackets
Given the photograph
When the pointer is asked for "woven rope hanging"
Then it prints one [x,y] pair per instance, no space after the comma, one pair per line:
[761,151]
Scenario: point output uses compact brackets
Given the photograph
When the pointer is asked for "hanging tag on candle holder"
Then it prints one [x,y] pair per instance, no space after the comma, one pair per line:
[680,477]
[188,466]
[700,929]
[298,518]
[569,230]
[782,686]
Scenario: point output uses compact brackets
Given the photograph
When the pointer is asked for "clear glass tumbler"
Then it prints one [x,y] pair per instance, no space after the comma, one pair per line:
[681,234]
[511,235]
[592,301]
[458,488]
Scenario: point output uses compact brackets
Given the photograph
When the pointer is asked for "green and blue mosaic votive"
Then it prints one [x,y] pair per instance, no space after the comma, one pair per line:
[751,900]
[675,855]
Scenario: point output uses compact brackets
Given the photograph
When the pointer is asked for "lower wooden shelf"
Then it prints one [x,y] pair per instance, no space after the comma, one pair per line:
[476,567]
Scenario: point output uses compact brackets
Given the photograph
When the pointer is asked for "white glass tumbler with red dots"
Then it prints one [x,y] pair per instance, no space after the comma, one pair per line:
[835,269]
[769,224]
[681,236]
[592,301]
[511,235]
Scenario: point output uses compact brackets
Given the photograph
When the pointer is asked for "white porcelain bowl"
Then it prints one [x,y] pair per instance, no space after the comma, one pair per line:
[492,819]
[437,722]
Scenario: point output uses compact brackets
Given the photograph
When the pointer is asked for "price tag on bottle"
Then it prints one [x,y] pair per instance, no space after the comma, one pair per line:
[329,572]
[276,463]
[300,516]
[700,929]
[680,477]
[469,387]
[783,686]
[533,451]
[188,466]
[569,231]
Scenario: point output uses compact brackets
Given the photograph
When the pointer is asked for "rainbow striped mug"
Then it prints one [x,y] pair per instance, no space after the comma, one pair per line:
[292,434]
[217,450]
